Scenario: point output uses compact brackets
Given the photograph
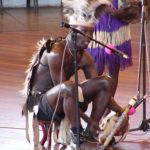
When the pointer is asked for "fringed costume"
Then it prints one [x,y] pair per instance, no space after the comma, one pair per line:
[111,31]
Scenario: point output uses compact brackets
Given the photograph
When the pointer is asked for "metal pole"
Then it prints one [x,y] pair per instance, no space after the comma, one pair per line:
[74,37]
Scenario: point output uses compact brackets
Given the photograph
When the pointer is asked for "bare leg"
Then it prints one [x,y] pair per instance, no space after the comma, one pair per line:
[97,90]
[65,105]
[66,102]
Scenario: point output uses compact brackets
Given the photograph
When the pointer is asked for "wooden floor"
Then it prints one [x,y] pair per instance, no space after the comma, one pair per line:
[20,29]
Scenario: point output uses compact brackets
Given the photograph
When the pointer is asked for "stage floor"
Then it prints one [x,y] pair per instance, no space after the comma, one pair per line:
[20,29]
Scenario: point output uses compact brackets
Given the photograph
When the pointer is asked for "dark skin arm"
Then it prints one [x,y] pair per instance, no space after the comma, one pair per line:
[129,14]
[88,67]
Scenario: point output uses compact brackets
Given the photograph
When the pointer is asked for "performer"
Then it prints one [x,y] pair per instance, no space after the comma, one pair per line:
[49,90]
[113,31]
[46,84]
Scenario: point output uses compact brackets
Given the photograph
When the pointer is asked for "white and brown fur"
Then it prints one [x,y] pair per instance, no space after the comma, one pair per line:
[32,126]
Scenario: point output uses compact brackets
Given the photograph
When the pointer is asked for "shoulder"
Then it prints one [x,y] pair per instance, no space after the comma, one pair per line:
[56,53]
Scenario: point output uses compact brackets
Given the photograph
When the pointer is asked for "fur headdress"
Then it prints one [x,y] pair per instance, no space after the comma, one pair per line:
[82,12]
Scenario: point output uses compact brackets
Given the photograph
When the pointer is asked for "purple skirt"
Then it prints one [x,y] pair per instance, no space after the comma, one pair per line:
[110,30]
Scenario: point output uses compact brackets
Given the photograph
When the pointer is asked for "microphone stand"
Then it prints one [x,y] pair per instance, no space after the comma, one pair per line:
[142,62]
[74,37]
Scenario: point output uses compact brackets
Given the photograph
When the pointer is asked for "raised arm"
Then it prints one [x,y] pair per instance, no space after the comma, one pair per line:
[129,14]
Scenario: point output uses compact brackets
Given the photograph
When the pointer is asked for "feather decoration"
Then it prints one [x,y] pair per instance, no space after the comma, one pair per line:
[81,10]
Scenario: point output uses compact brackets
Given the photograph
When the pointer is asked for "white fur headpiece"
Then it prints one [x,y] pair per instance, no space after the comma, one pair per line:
[81,12]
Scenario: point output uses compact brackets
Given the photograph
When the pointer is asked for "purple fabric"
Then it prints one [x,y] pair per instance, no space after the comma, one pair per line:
[108,23]
[101,57]
[111,24]
[115,4]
